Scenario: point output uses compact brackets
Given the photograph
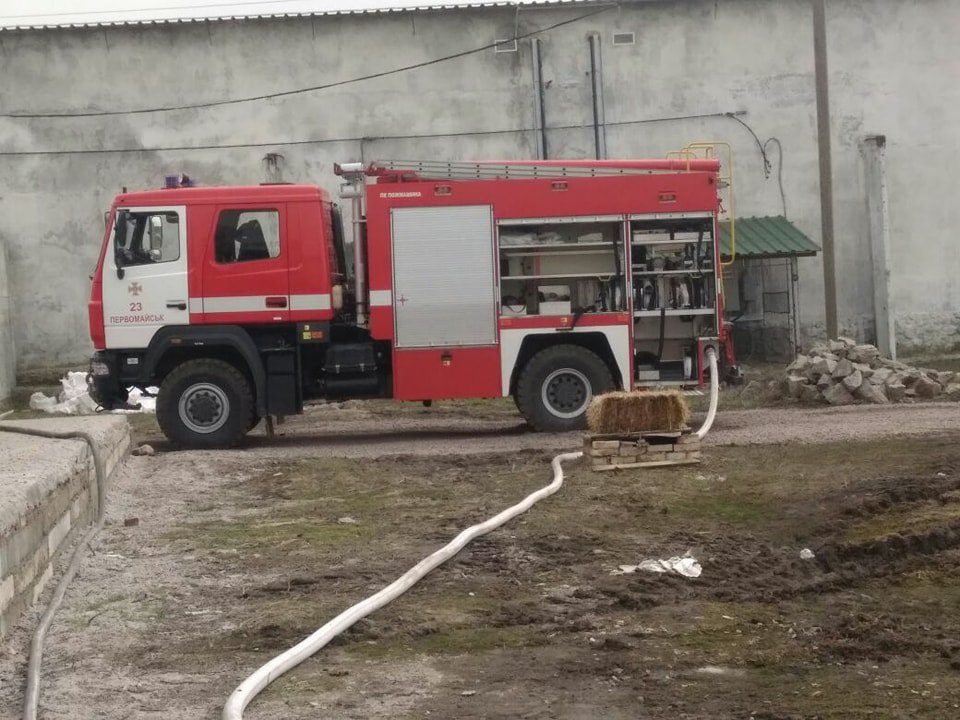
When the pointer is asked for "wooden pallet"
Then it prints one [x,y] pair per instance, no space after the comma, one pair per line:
[642,450]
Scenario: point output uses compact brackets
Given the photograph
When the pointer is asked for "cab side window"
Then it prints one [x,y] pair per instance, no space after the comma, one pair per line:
[147,238]
[245,235]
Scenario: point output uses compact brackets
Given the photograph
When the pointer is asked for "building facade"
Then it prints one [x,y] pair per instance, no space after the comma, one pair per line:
[669,72]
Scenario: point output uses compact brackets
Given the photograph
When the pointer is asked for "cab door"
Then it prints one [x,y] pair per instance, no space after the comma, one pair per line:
[145,275]
[245,268]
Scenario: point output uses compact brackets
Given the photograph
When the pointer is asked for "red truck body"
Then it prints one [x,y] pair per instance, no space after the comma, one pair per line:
[547,281]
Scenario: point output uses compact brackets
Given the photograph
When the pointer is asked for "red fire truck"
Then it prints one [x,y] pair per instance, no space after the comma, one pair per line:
[548,281]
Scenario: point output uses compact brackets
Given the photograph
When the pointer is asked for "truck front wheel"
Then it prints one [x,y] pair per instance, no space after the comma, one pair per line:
[557,384]
[205,403]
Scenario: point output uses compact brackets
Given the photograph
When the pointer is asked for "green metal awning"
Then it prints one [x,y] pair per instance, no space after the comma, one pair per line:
[766,237]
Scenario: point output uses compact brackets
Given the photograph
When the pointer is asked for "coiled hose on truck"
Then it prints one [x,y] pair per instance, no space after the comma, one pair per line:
[31,697]
[266,674]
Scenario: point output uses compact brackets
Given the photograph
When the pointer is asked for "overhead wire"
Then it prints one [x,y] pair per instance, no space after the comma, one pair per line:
[313,88]
[347,139]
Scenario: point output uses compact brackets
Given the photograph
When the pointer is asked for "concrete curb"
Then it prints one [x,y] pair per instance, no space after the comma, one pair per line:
[48,493]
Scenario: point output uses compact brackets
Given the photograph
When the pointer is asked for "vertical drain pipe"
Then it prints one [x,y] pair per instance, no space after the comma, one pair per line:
[596,79]
[538,104]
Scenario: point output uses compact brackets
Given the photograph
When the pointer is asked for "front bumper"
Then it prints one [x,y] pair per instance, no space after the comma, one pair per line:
[103,381]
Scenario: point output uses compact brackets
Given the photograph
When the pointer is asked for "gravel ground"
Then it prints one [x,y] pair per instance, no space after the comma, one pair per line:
[356,432]
[161,491]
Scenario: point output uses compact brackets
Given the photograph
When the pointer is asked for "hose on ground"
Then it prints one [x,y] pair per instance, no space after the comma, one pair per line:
[714,393]
[262,677]
[31,697]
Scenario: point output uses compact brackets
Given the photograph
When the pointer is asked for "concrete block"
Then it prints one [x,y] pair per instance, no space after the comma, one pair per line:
[6,593]
[795,385]
[824,366]
[810,394]
[48,488]
[843,368]
[838,395]
[41,583]
[58,533]
[926,387]
[895,391]
[853,381]
[880,375]
[868,392]
[799,365]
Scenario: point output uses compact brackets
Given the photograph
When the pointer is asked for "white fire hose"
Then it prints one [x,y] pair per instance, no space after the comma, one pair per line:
[259,679]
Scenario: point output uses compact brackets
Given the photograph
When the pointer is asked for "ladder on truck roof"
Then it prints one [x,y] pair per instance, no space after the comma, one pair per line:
[438,170]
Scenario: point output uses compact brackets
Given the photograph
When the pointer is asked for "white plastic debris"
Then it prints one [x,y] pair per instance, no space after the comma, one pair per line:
[75,400]
[807,554]
[686,566]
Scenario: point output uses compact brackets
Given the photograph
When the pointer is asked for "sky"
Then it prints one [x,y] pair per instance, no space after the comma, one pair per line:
[53,12]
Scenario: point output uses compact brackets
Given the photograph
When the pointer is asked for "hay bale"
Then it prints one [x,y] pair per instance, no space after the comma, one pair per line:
[630,412]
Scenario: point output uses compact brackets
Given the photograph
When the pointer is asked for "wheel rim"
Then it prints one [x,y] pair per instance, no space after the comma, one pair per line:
[204,408]
[566,393]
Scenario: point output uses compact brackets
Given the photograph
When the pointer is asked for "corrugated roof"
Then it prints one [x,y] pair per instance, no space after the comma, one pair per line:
[38,14]
[766,237]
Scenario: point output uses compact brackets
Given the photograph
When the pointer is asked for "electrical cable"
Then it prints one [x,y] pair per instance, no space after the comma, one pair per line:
[314,88]
[783,196]
[266,674]
[353,139]
[31,697]
[767,165]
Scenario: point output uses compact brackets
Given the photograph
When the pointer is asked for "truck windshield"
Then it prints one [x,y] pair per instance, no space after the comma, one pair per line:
[143,238]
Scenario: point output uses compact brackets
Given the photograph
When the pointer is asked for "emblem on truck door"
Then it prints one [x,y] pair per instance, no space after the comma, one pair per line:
[134,288]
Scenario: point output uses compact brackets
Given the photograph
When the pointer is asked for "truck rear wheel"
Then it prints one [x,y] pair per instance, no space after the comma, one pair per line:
[205,403]
[557,384]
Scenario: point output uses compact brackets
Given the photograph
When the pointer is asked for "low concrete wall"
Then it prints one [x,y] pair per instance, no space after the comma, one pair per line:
[48,494]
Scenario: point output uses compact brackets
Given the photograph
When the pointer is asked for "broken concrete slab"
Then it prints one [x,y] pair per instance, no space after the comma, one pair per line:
[838,395]
[844,368]
[926,387]
[853,381]
[868,392]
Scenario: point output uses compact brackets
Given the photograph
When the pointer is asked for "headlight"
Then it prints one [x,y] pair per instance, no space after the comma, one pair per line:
[99,368]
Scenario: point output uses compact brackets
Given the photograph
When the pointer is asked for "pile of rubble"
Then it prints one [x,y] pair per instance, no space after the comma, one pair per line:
[842,372]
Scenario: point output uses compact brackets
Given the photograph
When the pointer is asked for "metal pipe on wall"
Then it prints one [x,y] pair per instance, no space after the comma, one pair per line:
[596,81]
[822,82]
[538,104]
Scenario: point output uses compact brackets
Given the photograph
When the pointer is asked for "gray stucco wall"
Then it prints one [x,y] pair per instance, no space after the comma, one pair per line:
[893,70]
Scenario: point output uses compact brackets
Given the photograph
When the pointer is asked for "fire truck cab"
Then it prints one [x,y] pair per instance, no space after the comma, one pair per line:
[550,282]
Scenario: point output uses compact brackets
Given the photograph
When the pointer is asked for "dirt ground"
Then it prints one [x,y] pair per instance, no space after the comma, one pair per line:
[237,555]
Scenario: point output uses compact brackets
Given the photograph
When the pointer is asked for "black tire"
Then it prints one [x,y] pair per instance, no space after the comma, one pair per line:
[556,386]
[205,403]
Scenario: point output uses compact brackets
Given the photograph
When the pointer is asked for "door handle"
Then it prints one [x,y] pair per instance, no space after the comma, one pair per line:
[276,301]
[176,304]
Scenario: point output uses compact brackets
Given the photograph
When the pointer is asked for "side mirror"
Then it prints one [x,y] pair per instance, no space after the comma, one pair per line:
[120,240]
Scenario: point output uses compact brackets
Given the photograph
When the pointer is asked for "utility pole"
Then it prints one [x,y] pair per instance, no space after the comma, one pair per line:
[822,82]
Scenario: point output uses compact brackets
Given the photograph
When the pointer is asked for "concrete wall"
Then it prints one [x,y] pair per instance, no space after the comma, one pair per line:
[893,69]
[49,492]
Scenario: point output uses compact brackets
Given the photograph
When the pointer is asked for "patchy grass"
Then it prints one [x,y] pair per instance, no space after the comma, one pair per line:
[533,608]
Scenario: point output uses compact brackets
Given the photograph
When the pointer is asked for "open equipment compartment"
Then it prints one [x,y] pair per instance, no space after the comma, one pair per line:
[673,267]
[562,266]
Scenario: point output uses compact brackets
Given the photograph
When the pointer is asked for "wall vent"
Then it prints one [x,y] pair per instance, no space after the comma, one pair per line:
[504,46]
[623,38]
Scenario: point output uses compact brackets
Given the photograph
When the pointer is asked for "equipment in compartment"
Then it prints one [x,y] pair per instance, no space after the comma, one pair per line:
[674,295]
[585,257]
